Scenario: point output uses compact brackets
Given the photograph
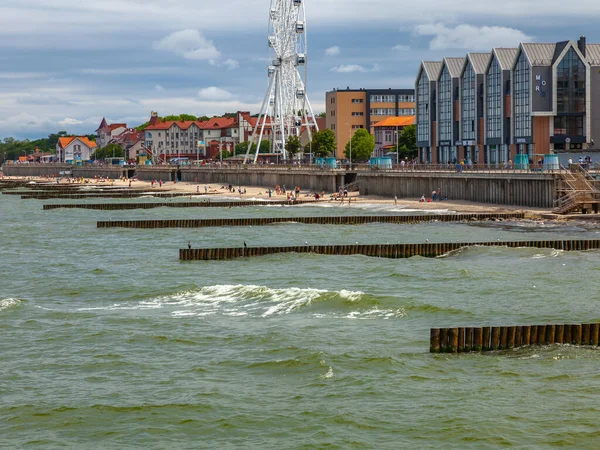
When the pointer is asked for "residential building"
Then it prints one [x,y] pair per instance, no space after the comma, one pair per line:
[388,131]
[74,149]
[132,142]
[304,132]
[197,140]
[426,106]
[352,109]
[497,110]
[535,99]
[105,132]
[448,111]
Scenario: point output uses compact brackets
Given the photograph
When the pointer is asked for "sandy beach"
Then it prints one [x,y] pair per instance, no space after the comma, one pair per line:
[253,192]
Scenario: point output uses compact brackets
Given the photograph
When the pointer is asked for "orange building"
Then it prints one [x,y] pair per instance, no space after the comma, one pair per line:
[387,131]
[352,109]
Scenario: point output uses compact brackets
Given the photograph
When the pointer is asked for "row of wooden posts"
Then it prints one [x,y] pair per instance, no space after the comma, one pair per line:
[330,220]
[129,206]
[484,339]
[395,251]
[104,194]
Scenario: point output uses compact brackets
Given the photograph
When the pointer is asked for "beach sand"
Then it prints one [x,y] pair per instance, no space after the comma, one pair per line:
[253,192]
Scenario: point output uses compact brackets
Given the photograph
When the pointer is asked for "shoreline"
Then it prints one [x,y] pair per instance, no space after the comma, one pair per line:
[457,206]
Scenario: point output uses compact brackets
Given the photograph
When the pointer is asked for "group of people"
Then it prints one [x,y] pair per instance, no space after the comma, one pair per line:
[436,196]
[586,162]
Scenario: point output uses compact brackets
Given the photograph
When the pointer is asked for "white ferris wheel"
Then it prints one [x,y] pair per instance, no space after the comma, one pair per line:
[286,109]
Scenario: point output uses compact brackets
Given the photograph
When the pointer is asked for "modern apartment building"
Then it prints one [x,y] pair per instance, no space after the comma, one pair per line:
[351,109]
[534,99]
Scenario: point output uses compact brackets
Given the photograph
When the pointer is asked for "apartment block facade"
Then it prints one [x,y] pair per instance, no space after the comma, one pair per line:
[352,109]
[534,100]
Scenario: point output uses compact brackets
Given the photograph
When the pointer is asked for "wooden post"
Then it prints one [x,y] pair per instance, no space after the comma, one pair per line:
[477,339]
[453,338]
[444,340]
[495,338]
[511,335]
[434,342]
[559,335]
[577,333]
[461,341]
[503,338]
[533,337]
[568,332]
[594,334]
[486,339]
[468,339]
[518,337]
[526,336]
[585,334]
[541,334]
[550,334]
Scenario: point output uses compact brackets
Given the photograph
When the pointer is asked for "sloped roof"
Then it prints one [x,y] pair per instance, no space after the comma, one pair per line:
[103,125]
[114,126]
[181,124]
[454,66]
[592,54]
[64,141]
[479,61]
[400,121]
[540,54]
[217,123]
[432,69]
[506,57]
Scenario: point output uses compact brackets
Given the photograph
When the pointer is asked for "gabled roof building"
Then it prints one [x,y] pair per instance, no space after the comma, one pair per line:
[532,100]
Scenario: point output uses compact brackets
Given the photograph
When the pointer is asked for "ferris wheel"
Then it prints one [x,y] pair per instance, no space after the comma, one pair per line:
[286,109]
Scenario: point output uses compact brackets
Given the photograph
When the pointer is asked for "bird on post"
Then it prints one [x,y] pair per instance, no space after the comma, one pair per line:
[245,246]
[189,245]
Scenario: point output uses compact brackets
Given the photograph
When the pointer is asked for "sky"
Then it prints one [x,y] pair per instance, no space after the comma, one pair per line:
[66,64]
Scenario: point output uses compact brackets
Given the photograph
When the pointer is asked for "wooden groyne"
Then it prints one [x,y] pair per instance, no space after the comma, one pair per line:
[335,220]
[129,206]
[44,196]
[395,251]
[486,339]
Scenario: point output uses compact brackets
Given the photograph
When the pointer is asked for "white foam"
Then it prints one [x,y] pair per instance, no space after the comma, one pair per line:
[6,303]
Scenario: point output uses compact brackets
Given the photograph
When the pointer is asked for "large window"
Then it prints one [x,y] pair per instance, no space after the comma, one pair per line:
[383,98]
[383,112]
[445,105]
[406,98]
[468,103]
[570,96]
[423,108]
[522,86]
[494,101]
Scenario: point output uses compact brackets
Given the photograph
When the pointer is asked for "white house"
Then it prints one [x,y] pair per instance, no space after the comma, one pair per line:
[75,148]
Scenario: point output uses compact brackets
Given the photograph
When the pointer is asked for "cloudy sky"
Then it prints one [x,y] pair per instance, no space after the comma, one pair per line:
[64,64]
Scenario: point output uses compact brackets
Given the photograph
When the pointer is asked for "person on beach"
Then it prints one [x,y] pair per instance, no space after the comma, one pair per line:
[433,195]
[395,199]
[422,199]
[205,189]
[439,194]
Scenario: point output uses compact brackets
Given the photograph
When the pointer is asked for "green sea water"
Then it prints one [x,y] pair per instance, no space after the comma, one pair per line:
[108,341]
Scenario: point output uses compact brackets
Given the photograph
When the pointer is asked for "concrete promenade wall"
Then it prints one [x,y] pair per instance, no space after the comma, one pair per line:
[326,180]
[503,189]
[39,170]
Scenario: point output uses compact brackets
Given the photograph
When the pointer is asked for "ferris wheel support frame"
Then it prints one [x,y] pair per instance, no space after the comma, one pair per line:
[281,124]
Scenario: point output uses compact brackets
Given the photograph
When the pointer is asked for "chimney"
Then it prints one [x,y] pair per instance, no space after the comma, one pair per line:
[581,44]
[153,118]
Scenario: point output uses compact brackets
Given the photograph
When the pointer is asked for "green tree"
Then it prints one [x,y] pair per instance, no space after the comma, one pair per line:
[224,155]
[322,115]
[363,144]
[323,143]
[110,151]
[180,117]
[242,147]
[407,143]
[293,146]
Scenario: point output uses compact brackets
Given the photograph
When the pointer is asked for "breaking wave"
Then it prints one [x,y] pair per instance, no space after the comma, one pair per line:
[261,301]
[6,303]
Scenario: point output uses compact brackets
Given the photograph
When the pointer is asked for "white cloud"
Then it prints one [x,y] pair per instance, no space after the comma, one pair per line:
[470,37]
[353,68]
[69,121]
[401,48]
[231,64]
[159,88]
[333,51]
[190,44]
[214,94]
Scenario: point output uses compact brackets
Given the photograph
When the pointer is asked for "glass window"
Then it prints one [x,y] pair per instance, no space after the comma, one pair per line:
[494,101]
[423,108]
[521,96]
[468,103]
[445,105]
